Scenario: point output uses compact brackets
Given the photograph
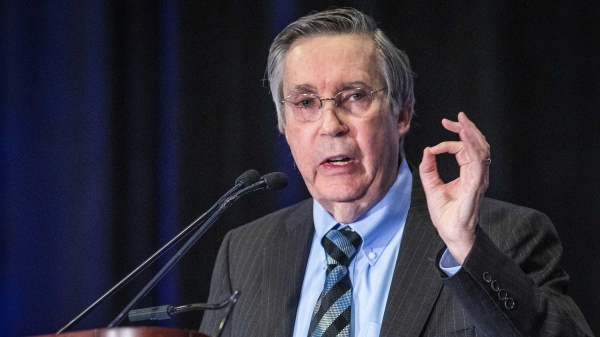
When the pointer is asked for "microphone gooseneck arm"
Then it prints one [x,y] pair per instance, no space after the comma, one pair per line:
[269,181]
[167,311]
[247,178]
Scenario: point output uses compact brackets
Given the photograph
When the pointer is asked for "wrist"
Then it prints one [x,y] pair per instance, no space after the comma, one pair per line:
[460,248]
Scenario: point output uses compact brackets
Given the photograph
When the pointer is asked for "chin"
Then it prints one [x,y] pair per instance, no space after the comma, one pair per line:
[344,193]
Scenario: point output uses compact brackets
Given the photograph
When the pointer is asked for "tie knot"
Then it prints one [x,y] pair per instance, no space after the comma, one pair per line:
[341,246]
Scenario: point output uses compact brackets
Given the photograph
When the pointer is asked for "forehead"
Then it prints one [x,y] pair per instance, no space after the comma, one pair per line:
[326,62]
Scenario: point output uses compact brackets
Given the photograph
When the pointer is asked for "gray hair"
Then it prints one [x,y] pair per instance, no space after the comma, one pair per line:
[393,63]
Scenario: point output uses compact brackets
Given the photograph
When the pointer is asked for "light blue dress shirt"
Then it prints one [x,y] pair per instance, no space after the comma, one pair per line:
[371,271]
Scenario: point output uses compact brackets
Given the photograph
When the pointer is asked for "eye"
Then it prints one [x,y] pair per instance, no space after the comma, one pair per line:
[304,102]
[357,95]
[353,95]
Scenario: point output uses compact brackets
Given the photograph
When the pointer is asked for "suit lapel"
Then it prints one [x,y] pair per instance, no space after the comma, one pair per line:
[415,286]
[416,283]
[284,263]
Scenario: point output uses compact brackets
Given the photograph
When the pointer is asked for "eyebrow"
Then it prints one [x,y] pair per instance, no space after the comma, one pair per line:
[355,84]
[303,88]
[309,89]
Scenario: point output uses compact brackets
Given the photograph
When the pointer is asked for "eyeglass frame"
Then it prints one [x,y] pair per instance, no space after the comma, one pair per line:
[329,99]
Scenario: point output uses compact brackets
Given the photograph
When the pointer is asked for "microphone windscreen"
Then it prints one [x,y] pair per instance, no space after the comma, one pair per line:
[248,178]
[275,180]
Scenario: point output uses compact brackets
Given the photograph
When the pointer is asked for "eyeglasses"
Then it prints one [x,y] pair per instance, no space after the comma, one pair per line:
[308,107]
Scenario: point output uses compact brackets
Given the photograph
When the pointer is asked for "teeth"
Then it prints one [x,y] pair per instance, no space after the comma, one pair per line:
[338,160]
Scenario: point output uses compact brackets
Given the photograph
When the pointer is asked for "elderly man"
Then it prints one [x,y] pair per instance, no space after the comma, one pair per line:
[380,249]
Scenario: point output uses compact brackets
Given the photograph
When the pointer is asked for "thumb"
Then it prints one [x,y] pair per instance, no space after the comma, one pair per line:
[428,171]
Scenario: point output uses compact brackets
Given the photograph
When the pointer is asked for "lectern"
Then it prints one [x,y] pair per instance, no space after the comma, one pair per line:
[131,332]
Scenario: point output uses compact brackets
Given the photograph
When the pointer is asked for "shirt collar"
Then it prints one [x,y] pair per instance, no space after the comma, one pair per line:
[379,224]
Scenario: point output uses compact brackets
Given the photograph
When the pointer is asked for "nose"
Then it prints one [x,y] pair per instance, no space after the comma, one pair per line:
[332,124]
[323,101]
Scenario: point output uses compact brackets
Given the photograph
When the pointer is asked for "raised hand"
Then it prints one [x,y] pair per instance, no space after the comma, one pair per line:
[454,207]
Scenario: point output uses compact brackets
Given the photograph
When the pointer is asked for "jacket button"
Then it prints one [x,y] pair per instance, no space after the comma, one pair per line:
[502,294]
[495,286]
[509,303]
[487,278]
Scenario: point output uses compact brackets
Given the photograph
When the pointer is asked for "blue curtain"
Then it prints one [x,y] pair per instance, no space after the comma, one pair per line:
[63,163]
[55,161]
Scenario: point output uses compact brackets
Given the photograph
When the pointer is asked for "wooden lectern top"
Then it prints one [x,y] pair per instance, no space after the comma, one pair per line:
[131,332]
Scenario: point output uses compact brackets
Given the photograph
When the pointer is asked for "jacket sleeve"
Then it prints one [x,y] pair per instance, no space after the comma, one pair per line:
[511,284]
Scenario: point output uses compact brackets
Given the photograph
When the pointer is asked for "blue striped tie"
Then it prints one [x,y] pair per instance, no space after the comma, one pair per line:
[331,316]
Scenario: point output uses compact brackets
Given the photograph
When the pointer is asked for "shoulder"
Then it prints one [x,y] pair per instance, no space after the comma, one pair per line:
[273,223]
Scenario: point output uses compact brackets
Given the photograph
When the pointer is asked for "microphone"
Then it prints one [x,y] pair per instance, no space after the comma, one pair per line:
[270,181]
[275,180]
[246,179]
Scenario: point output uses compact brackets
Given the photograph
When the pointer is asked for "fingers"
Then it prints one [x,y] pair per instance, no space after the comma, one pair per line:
[447,147]
[453,147]
[470,152]
[472,147]
[477,149]
[428,172]
[451,126]
[474,143]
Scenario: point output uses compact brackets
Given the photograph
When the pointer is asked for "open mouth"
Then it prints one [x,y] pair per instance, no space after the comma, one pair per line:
[338,161]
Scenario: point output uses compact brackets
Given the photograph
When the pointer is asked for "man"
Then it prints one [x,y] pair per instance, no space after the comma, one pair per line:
[381,250]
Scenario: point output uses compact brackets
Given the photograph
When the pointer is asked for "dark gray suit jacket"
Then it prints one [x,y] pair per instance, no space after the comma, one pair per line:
[517,247]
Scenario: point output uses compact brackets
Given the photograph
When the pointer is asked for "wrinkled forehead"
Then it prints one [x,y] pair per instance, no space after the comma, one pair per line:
[325,62]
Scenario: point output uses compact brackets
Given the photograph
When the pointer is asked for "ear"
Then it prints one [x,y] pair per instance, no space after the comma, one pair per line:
[404,118]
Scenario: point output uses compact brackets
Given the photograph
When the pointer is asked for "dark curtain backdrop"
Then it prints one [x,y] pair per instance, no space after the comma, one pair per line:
[122,121]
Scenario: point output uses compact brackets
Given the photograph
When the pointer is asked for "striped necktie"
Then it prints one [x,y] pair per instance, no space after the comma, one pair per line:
[331,316]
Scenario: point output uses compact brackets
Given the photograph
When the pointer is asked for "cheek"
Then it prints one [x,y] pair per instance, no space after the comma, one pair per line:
[300,145]
[380,140]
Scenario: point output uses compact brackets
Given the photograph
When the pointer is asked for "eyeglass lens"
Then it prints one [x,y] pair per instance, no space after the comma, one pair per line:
[308,107]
